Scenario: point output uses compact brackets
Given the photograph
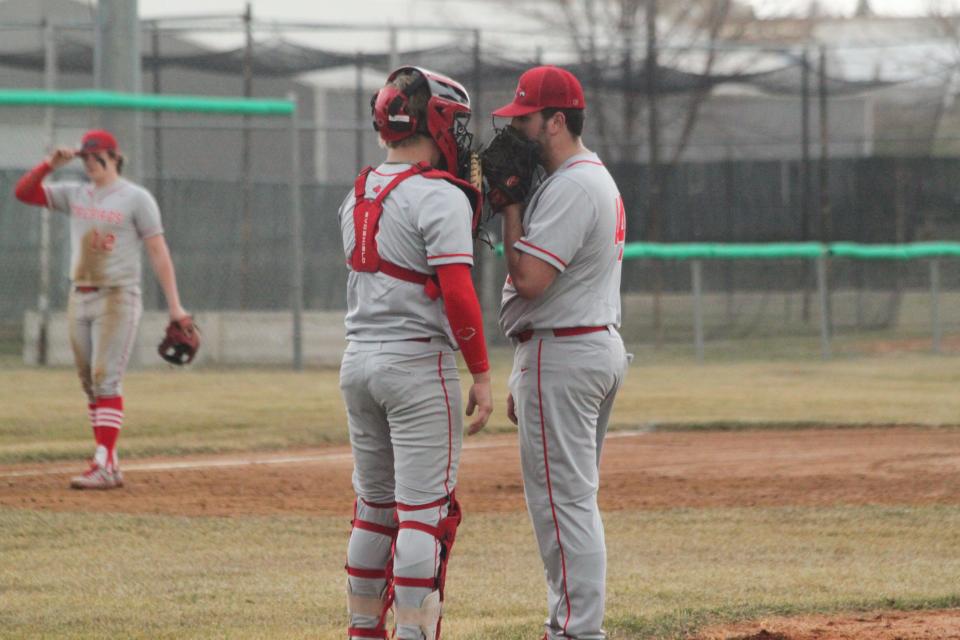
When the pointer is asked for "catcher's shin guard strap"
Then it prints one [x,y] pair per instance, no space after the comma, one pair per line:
[373,527]
[420,507]
[426,616]
[422,583]
[369,574]
[357,632]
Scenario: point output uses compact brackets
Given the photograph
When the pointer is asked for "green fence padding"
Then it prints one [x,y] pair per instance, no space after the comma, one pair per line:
[715,251]
[915,251]
[145,102]
[784,250]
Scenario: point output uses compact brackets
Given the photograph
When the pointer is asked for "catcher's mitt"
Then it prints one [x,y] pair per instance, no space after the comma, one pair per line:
[508,164]
[180,342]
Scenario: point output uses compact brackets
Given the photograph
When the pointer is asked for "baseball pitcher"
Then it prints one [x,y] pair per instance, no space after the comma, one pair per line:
[111,218]
[561,309]
[407,231]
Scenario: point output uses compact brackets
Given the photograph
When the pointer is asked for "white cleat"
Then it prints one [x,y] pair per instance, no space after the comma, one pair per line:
[97,477]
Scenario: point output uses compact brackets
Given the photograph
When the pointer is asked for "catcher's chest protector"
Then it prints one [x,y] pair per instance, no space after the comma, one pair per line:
[366,223]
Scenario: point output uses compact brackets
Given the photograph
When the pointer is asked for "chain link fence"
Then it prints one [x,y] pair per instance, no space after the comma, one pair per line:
[765,144]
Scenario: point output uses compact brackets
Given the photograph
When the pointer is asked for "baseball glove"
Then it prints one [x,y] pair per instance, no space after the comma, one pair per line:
[181,341]
[508,165]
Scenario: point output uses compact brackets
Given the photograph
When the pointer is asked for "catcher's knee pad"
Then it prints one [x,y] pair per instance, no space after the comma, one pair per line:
[427,616]
[370,568]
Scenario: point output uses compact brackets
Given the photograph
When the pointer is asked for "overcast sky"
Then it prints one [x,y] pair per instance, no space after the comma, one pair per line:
[335,10]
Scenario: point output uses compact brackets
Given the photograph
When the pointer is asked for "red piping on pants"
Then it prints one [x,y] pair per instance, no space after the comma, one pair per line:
[446,399]
[553,509]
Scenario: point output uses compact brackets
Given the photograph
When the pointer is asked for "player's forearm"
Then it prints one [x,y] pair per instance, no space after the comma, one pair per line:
[529,276]
[463,312]
[166,276]
[512,231]
[29,189]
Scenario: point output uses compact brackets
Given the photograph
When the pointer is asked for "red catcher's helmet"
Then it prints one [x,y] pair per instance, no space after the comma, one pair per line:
[448,112]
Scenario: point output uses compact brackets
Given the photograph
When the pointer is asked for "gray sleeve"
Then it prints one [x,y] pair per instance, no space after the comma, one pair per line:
[146,216]
[444,220]
[558,224]
[59,195]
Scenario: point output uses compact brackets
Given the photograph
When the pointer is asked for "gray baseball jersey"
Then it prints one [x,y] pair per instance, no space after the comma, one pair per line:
[575,222]
[107,227]
[425,223]
[564,386]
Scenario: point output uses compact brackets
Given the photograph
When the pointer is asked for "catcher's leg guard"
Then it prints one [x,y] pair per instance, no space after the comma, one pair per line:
[428,614]
[370,568]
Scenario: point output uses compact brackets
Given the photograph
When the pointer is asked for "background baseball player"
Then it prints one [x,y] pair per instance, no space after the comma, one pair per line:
[407,235]
[561,308]
[111,218]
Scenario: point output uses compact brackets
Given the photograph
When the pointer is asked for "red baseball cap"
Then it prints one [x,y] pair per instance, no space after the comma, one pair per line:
[542,88]
[97,140]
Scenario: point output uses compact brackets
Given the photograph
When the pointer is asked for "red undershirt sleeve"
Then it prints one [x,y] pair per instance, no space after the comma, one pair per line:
[463,312]
[29,188]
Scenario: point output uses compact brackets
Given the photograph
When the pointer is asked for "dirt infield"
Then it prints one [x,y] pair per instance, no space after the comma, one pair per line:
[639,471]
[883,625]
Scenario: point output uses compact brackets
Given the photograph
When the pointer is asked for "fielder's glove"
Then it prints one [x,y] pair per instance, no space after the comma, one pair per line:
[509,163]
[180,342]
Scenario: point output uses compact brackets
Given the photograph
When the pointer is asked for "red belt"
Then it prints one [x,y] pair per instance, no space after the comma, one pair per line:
[523,336]
[86,289]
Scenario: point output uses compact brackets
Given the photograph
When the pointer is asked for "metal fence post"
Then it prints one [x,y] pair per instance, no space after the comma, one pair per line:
[824,295]
[49,127]
[935,304]
[296,239]
[696,274]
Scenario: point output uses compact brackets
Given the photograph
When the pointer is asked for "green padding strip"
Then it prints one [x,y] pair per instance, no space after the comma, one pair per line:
[145,102]
[785,250]
[712,251]
[913,251]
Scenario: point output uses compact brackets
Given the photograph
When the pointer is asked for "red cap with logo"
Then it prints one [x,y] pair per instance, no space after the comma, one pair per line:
[97,140]
[541,88]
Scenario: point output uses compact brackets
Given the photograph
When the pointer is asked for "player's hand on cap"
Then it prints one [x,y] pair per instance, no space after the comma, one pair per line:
[511,409]
[480,401]
[60,157]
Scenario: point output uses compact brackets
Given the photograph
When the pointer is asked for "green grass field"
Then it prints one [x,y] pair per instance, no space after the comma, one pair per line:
[172,412]
[670,572]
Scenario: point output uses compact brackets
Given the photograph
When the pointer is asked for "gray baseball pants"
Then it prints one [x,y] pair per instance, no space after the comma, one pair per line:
[405,420]
[564,389]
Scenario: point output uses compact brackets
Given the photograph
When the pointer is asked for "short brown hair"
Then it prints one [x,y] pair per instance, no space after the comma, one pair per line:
[573,117]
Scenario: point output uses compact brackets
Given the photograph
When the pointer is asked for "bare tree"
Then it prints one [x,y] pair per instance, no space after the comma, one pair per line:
[608,38]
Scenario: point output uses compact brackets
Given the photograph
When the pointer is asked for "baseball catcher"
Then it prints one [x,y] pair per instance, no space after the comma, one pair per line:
[181,341]
[407,228]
